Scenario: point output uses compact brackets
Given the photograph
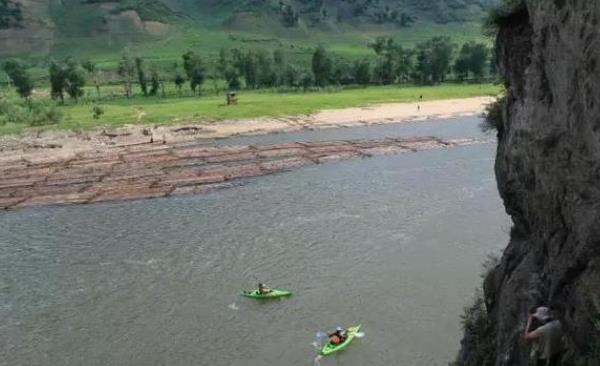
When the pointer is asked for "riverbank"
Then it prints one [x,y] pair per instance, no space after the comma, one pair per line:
[66,144]
[136,162]
[114,111]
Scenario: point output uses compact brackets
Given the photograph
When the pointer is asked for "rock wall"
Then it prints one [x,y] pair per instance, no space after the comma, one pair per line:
[548,173]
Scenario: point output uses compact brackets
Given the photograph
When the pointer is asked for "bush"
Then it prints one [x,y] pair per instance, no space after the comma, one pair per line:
[479,341]
[494,115]
[29,112]
[592,357]
[97,112]
[504,15]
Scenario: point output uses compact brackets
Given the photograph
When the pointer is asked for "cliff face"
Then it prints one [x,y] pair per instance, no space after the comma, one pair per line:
[548,173]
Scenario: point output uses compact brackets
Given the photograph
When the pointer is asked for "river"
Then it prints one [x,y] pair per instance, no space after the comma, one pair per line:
[394,243]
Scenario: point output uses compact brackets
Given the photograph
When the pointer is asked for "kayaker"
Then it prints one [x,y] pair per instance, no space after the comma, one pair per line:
[337,337]
[263,290]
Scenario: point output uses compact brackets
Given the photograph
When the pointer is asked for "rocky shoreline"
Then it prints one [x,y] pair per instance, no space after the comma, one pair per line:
[146,170]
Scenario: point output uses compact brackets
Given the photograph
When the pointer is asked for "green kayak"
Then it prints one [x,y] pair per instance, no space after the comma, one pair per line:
[274,294]
[330,348]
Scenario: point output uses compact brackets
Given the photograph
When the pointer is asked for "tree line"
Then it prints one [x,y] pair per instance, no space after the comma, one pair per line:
[430,62]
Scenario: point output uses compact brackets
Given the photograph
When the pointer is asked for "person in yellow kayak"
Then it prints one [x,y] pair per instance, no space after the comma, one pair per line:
[263,290]
[338,337]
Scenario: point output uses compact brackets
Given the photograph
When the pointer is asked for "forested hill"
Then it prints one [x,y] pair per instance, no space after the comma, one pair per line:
[401,12]
[44,26]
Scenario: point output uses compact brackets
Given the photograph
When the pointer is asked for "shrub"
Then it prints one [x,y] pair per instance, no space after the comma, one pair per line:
[97,112]
[491,262]
[493,115]
[30,112]
[503,15]
[592,357]
[479,341]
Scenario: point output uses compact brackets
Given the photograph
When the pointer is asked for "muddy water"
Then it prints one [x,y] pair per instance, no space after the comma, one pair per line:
[393,243]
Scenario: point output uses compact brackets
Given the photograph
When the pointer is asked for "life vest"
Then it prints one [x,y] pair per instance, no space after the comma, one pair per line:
[335,339]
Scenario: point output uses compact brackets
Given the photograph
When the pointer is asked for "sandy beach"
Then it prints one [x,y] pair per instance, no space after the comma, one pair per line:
[64,144]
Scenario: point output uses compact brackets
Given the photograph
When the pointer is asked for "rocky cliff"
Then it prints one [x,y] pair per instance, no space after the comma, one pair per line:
[548,173]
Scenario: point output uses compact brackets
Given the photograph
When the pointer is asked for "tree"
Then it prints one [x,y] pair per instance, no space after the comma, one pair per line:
[179,77]
[307,80]
[404,63]
[434,58]
[250,70]
[406,20]
[291,76]
[10,14]
[461,65]
[289,16]
[197,79]
[57,81]
[280,65]
[321,67]
[477,59]
[493,63]
[94,72]
[194,68]
[74,79]
[362,72]
[343,73]
[472,58]
[68,77]
[141,74]
[127,70]
[394,62]
[179,81]
[155,83]
[228,69]
[19,76]
[266,70]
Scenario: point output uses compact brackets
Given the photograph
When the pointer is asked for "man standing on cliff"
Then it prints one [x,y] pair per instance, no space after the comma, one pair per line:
[548,336]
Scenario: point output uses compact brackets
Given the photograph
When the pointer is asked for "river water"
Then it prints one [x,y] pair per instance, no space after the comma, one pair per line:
[393,243]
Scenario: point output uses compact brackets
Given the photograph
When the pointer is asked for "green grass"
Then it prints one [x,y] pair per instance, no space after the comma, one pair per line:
[345,42]
[153,110]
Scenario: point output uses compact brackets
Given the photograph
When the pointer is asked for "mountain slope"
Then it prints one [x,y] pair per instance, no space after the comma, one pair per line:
[67,26]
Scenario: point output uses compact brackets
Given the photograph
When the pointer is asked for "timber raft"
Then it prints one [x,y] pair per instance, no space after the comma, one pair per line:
[159,170]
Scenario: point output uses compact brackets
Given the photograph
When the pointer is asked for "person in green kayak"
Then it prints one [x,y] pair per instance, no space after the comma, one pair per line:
[338,337]
[263,290]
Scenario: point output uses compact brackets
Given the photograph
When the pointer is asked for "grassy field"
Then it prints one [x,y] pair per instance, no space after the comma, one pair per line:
[154,110]
[208,35]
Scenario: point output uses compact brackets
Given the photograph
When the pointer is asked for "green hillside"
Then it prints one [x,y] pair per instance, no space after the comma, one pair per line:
[163,29]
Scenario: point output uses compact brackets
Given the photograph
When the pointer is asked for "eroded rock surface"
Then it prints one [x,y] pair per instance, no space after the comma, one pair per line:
[548,172]
[158,170]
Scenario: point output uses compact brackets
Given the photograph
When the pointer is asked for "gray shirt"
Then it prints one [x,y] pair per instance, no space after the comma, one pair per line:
[550,336]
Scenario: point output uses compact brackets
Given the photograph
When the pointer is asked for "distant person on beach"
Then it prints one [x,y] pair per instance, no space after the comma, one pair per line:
[546,333]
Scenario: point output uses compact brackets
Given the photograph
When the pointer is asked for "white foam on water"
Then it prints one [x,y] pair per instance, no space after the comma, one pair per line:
[318,360]
[233,306]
